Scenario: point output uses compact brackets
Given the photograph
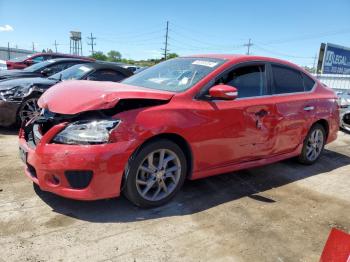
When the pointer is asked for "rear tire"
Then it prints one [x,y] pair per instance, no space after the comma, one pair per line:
[155,173]
[313,145]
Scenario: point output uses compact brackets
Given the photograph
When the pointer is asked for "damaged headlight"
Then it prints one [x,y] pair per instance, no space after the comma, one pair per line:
[86,132]
[16,92]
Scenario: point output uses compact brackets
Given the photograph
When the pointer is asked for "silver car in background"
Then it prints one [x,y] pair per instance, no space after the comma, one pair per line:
[344,109]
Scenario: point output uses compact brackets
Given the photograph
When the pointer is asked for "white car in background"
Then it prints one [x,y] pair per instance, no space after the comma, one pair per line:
[344,109]
[3,65]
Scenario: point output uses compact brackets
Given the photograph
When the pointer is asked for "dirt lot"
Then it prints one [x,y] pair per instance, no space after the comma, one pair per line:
[281,212]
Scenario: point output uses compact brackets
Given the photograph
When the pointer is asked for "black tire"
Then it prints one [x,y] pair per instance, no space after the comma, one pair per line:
[304,158]
[130,188]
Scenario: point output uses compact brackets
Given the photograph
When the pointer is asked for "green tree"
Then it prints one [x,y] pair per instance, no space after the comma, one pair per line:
[114,56]
[172,55]
[99,56]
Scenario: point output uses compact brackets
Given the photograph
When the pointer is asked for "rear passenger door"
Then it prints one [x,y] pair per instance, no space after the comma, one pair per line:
[290,90]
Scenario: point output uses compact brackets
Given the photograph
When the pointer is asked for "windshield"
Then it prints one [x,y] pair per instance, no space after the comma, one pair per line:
[75,72]
[38,66]
[20,58]
[175,75]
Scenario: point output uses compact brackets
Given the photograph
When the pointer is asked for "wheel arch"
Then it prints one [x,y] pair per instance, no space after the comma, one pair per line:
[177,139]
[324,123]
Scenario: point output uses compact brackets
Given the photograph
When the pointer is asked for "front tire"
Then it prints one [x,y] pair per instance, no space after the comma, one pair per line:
[313,145]
[155,173]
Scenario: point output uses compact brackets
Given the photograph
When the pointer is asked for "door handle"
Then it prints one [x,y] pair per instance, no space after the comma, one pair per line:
[309,108]
[261,113]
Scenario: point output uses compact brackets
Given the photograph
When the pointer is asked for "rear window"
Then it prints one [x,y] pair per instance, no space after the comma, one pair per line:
[308,82]
[286,80]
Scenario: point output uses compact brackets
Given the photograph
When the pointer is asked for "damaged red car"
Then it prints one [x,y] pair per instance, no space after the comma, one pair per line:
[185,118]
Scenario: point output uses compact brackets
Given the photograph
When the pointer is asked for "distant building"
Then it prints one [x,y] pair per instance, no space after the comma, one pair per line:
[10,53]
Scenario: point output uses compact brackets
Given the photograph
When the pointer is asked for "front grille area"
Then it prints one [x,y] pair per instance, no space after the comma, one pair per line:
[78,179]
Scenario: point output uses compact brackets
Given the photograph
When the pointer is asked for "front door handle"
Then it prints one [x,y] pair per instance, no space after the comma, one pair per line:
[261,113]
[309,108]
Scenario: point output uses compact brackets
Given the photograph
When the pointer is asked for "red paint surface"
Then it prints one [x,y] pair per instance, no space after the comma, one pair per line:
[223,136]
[337,248]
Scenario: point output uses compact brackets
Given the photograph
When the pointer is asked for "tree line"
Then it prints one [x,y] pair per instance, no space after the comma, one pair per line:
[116,56]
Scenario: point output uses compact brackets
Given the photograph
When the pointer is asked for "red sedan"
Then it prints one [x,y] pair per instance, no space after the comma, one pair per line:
[188,117]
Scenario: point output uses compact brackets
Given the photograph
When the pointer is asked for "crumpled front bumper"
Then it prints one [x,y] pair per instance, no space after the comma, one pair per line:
[47,164]
[8,113]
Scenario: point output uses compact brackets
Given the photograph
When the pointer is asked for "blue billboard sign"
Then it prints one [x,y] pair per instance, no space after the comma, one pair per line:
[336,60]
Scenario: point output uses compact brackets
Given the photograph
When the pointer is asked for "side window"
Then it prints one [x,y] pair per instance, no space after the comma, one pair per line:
[107,75]
[286,80]
[38,59]
[308,82]
[249,80]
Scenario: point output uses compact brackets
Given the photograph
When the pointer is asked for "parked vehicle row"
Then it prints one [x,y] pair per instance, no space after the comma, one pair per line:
[18,97]
[185,118]
[344,104]
[28,60]
[43,69]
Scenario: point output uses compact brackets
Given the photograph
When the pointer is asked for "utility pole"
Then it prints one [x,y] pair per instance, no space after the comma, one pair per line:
[55,44]
[92,39]
[8,51]
[248,45]
[33,46]
[166,50]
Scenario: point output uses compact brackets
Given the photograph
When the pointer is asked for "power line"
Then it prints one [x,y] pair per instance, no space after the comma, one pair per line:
[91,43]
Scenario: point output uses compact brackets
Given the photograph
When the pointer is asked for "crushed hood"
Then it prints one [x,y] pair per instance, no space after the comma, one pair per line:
[72,97]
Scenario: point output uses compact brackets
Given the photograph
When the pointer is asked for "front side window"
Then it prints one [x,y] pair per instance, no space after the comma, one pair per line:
[286,80]
[176,75]
[249,80]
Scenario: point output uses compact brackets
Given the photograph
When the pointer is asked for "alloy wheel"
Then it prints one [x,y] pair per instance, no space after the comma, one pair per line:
[158,175]
[29,109]
[314,144]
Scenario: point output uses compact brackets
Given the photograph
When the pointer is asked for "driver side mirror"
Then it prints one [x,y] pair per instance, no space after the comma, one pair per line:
[224,92]
[46,71]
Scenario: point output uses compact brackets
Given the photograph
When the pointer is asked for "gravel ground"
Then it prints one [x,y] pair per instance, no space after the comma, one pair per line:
[280,212]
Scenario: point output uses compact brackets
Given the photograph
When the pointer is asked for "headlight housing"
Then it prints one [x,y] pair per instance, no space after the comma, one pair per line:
[86,132]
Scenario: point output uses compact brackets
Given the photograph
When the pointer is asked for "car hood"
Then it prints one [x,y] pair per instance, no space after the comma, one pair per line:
[31,81]
[72,97]
[4,74]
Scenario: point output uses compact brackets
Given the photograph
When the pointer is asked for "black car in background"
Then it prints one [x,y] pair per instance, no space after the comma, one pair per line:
[42,69]
[18,97]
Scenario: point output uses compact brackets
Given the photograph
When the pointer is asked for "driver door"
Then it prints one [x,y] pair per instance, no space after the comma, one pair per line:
[245,126]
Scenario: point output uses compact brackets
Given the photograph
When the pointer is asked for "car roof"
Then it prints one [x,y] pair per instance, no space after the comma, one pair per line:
[63,55]
[238,58]
[68,59]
